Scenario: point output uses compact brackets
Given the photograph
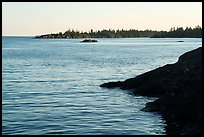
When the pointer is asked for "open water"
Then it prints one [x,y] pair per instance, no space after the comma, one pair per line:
[51,86]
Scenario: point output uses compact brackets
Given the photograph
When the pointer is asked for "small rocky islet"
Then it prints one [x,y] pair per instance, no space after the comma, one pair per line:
[178,88]
[180,41]
[89,41]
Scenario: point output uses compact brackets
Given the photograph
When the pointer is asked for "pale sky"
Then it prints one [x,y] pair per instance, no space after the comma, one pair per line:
[36,18]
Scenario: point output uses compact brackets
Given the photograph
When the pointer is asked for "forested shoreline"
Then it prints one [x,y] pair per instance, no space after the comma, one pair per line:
[178,32]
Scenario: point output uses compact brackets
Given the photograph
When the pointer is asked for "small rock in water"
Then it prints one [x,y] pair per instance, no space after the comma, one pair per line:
[89,40]
[180,41]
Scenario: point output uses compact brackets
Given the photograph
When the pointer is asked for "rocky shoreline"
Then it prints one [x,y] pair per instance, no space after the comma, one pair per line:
[178,87]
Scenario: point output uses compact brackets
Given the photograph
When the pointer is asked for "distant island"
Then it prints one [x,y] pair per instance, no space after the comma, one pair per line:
[178,32]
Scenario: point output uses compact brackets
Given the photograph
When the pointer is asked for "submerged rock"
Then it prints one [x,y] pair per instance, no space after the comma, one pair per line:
[178,87]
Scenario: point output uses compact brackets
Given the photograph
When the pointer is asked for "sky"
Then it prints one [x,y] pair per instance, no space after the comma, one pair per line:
[37,18]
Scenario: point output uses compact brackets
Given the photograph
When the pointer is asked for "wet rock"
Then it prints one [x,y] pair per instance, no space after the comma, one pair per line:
[111,84]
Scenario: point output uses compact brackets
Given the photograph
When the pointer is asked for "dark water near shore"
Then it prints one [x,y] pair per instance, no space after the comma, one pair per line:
[51,86]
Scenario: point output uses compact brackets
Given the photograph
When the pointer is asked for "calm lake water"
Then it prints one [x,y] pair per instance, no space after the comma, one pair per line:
[51,86]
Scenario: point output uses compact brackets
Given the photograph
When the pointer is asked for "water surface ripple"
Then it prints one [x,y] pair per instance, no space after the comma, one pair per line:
[51,86]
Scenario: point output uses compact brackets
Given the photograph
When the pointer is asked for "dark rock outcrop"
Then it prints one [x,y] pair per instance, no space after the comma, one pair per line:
[180,41]
[89,40]
[179,90]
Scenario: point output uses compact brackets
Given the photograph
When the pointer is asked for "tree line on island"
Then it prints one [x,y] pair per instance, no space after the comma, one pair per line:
[178,32]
